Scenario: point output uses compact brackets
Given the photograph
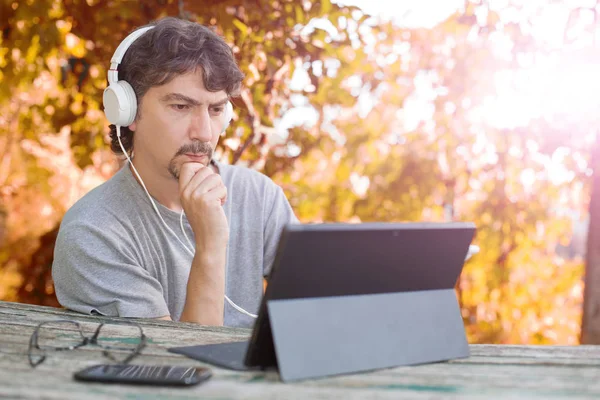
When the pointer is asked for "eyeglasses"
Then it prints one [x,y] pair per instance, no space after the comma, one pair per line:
[68,335]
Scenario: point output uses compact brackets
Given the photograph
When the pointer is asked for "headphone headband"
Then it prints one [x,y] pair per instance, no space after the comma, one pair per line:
[119,99]
[113,74]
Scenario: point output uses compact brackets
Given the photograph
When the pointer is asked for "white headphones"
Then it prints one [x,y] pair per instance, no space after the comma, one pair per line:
[120,102]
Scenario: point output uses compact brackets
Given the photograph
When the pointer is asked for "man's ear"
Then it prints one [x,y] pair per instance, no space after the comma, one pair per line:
[133,126]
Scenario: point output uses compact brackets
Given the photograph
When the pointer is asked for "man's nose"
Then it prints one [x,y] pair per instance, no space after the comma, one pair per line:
[200,127]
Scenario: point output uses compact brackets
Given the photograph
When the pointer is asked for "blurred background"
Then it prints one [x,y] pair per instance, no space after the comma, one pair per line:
[423,110]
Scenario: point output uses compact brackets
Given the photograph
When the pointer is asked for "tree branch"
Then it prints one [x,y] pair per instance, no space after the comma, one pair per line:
[247,99]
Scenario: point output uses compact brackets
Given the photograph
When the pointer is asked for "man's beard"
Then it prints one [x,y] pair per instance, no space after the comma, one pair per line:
[197,148]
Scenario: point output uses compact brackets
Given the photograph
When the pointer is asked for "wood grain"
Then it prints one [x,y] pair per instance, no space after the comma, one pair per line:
[492,371]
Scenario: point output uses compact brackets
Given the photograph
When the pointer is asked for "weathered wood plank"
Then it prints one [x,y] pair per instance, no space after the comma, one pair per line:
[399,382]
[492,371]
[42,313]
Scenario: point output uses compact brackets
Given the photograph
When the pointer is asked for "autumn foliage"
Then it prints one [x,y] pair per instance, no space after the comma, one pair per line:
[357,119]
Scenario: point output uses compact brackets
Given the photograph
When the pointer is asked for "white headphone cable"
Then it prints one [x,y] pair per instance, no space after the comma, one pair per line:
[240,309]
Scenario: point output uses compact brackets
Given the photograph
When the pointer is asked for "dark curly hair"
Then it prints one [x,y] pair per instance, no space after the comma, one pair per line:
[174,47]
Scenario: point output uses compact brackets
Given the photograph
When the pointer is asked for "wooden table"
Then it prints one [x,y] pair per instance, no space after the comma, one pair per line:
[492,371]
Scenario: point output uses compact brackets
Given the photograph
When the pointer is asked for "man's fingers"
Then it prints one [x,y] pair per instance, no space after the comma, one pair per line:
[218,193]
[202,182]
[187,172]
[198,182]
[209,183]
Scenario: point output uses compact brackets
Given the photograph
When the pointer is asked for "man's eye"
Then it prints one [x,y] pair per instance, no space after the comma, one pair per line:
[180,107]
[218,110]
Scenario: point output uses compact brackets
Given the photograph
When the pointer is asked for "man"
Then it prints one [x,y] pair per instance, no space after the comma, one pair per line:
[122,251]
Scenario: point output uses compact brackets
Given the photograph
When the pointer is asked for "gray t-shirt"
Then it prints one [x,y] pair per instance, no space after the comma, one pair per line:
[113,255]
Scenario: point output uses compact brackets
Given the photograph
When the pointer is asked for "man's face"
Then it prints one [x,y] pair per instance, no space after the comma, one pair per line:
[179,122]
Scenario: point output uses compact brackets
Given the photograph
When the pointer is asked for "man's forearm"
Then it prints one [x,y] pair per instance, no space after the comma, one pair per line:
[206,290]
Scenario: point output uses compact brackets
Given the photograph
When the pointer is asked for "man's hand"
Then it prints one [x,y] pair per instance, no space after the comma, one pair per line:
[202,195]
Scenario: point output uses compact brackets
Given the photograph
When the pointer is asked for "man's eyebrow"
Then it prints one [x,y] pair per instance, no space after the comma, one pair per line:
[181,97]
[220,102]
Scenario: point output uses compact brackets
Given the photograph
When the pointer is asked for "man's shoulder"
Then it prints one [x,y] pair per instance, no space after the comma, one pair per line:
[243,176]
[97,205]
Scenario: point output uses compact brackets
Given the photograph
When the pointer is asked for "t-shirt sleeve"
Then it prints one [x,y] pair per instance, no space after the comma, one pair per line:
[278,216]
[95,272]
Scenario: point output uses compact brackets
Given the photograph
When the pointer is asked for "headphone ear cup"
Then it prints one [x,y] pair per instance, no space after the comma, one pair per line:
[120,103]
[228,116]
[131,101]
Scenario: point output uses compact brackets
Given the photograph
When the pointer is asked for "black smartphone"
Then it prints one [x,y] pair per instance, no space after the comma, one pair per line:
[157,375]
